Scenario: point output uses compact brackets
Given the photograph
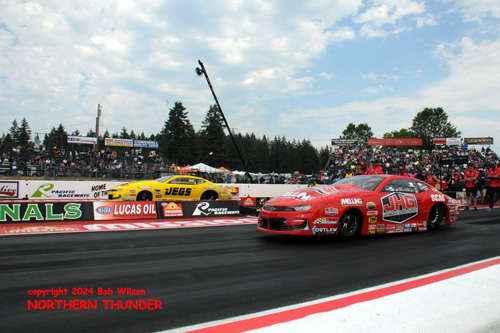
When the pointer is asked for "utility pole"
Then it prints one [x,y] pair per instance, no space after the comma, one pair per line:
[97,121]
[201,71]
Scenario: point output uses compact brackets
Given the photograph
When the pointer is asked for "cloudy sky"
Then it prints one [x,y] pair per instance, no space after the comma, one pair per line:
[298,69]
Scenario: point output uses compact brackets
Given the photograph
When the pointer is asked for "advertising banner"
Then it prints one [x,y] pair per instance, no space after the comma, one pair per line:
[9,190]
[447,141]
[439,141]
[460,160]
[131,143]
[478,141]
[146,144]
[69,190]
[74,190]
[395,142]
[251,202]
[198,208]
[118,142]
[453,141]
[344,142]
[23,211]
[82,139]
[126,210]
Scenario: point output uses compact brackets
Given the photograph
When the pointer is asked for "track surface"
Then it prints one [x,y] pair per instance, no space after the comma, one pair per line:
[204,274]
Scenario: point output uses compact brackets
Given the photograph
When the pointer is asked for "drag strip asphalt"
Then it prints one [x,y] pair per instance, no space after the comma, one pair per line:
[197,275]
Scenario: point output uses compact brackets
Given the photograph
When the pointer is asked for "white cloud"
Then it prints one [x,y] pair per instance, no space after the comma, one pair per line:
[477,10]
[61,59]
[469,95]
[326,76]
[370,76]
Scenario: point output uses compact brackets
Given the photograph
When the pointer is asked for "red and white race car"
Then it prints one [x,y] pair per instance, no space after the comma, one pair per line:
[375,204]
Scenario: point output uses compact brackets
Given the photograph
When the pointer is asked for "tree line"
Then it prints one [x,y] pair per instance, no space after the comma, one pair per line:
[181,144]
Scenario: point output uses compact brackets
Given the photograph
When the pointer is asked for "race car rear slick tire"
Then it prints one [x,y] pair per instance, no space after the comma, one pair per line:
[435,217]
[144,196]
[209,195]
[349,224]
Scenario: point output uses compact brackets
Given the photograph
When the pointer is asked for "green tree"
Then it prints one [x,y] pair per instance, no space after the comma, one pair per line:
[7,142]
[177,138]
[124,134]
[14,132]
[324,155]
[403,133]
[56,138]
[433,123]
[308,157]
[282,159]
[101,142]
[361,132]
[37,142]
[212,138]
[24,134]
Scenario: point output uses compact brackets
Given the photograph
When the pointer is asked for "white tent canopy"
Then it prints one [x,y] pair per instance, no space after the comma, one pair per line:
[204,168]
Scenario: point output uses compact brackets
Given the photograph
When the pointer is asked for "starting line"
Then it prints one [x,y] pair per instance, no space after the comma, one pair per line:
[117,225]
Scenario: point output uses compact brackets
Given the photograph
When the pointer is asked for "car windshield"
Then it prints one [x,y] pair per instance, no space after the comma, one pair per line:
[164,179]
[364,182]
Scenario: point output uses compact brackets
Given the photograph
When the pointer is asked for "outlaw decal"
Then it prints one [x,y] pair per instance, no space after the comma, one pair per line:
[323,231]
[399,207]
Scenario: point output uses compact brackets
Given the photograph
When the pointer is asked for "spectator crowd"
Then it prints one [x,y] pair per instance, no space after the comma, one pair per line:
[343,163]
[32,162]
[447,164]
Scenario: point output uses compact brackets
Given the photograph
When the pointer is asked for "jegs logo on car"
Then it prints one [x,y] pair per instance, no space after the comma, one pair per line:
[178,191]
[399,207]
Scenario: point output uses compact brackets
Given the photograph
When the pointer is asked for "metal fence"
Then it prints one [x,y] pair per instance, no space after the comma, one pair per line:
[54,173]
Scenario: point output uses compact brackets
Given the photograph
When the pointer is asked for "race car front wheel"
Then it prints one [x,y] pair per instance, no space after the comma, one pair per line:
[209,195]
[349,224]
[144,196]
[435,217]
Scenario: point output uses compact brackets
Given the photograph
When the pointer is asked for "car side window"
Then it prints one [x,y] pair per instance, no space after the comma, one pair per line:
[401,185]
[186,181]
[422,187]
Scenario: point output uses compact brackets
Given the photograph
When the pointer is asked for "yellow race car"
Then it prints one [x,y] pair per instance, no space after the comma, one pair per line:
[169,188]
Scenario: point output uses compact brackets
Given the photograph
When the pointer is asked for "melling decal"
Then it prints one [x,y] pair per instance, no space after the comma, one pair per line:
[399,207]
[351,202]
